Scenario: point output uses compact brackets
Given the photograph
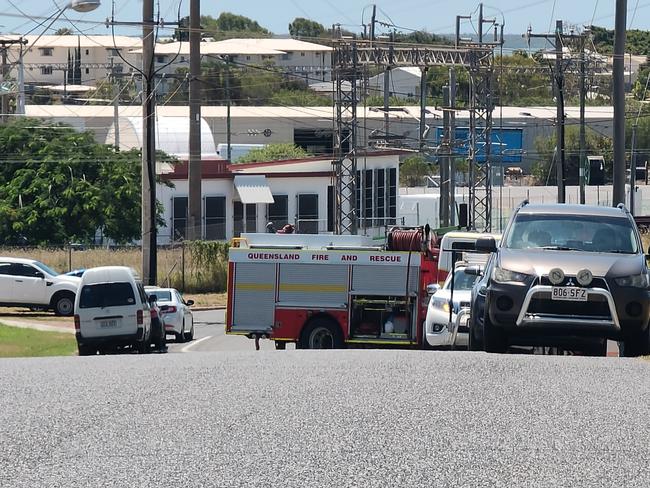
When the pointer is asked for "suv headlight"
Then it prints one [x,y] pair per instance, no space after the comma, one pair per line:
[440,303]
[502,275]
[634,281]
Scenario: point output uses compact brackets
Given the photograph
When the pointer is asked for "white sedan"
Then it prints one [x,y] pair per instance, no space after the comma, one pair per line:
[438,327]
[175,311]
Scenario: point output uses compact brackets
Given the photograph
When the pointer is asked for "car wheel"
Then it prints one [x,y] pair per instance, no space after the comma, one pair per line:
[180,337]
[425,346]
[321,333]
[144,347]
[475,339]
[637,344]
[64,304]
[87,351]
[189,336]
[597,350]
[494,338]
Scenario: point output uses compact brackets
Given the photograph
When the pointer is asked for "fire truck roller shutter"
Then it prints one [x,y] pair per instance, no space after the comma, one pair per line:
[314,285]
[384,280]
[254,302]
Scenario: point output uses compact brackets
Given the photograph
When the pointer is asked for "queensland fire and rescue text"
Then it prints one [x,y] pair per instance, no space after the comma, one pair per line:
[329,257]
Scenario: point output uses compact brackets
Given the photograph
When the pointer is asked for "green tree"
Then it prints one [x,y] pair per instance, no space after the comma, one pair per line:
[63,31]
[413,170]
[59,185]
[228,24]
[305,28]
[298,98]
[274,152]
[543,169]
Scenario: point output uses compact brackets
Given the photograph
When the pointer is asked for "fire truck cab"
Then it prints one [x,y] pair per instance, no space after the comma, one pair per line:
[329,291]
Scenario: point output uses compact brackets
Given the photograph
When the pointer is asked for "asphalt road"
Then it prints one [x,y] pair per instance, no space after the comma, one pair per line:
[324,418]
[210,335]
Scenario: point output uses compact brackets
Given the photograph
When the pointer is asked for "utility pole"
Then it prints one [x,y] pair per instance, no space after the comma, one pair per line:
[149,240]
[116,108]
[4,99]
[20,99]
[618,98]
[194,163]
[445,159]
[559,118]
[452,142]
[583,144]
[228,120]
[387,89]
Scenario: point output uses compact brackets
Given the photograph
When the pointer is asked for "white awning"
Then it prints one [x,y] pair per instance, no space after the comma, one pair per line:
[253,189]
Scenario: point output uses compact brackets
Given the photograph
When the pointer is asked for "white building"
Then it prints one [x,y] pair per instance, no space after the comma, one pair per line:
[311,127]
[245,197]
[402,82]
[46,62]
[305,60]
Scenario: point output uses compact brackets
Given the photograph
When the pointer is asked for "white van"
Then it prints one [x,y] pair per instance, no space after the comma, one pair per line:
[111,310]
[457,241]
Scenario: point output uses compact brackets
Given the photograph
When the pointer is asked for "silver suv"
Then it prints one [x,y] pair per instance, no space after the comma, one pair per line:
[569,276]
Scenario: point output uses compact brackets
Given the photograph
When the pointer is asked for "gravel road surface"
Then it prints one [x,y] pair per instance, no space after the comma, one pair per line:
[324,418]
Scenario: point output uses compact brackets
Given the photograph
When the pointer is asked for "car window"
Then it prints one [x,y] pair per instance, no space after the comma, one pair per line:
[462,281]
[573,232]
[163,296]
[143,294]
[5,268]
[19,269]
[101,295]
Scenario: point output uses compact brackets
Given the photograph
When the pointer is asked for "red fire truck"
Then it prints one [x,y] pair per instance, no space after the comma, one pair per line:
[329,291]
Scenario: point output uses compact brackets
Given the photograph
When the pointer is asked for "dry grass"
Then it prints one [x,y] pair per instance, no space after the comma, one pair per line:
[175,267]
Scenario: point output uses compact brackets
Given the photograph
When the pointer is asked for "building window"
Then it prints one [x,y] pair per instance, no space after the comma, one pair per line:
[331,209]
[46,51]
[87,52]
[286,57]
[391,195]
[182,59]
[161,59]
[248,58]
[215,218]
[87,70]
[302,54]
[46,70]
[179,218]
[307,221]
[112,52]
[278,211]
[238,218]
[380,191]
[367,198]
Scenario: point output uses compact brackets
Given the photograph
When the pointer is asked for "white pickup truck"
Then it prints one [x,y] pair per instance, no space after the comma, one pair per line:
[30,283]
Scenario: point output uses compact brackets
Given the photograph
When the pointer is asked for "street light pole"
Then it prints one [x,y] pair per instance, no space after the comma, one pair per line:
[149,240]
[618,99]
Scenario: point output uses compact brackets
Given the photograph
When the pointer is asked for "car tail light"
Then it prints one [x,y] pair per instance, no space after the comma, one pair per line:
[170,309]
[77,323]
[139,317]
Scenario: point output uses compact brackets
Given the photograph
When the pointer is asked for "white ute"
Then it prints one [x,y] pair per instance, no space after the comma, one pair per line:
[30,283]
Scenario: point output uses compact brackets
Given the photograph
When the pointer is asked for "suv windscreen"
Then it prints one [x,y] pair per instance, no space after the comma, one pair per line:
[102,295]
[45,268]
[572,232]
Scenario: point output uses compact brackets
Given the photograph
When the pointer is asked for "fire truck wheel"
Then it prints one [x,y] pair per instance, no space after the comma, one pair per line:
[321,333]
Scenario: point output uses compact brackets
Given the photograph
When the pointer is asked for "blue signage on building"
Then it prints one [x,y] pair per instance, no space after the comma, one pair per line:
[506,145]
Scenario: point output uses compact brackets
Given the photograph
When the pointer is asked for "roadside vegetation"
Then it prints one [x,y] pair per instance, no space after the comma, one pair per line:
[17,342]
[192,267]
